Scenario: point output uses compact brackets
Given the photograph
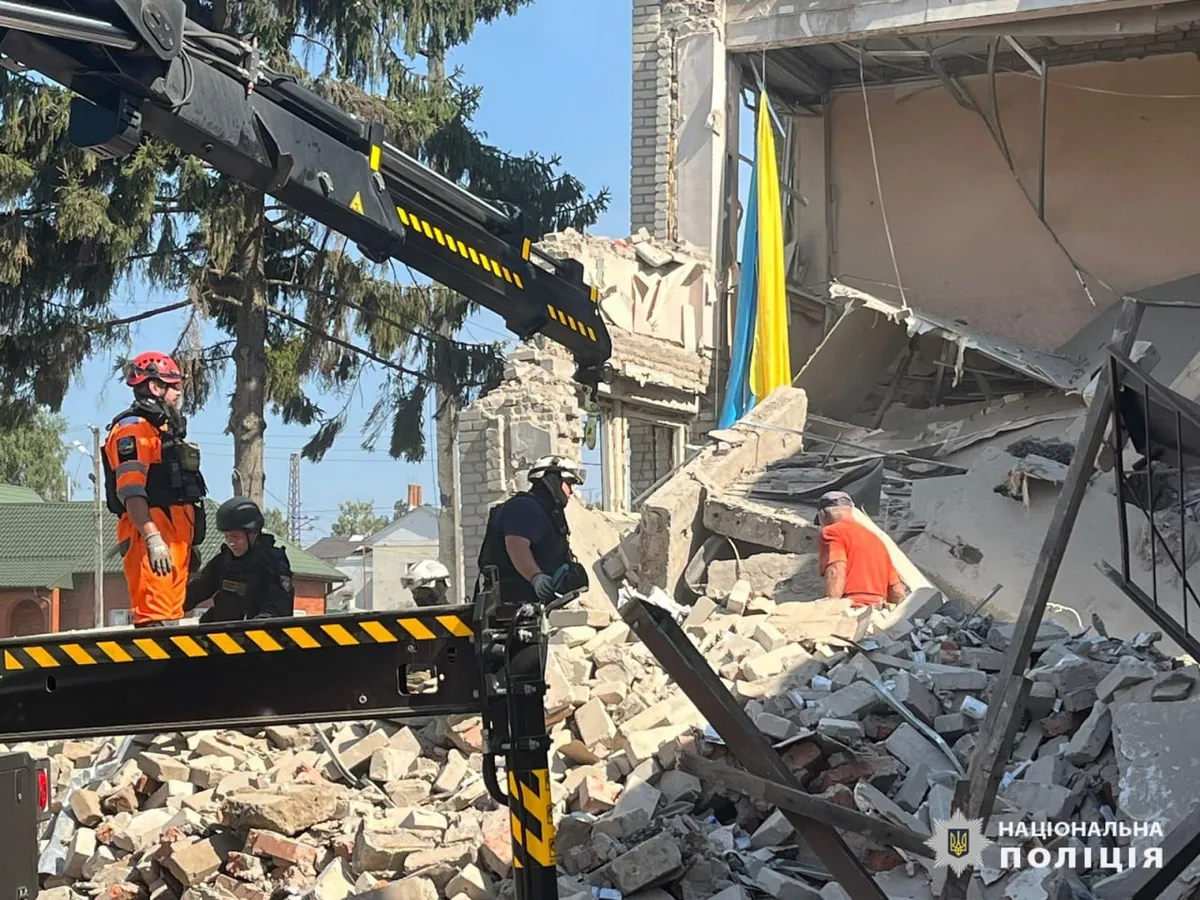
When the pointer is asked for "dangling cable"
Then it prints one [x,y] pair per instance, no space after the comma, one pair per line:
[862,80]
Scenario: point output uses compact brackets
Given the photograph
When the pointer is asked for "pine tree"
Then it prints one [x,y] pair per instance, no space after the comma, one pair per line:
[292,297]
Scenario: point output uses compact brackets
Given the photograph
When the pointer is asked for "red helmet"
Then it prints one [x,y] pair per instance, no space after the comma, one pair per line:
[152,366]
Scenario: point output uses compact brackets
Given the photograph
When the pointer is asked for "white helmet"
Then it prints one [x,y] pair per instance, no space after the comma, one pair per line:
[552,472]
[425,573]
[568,470]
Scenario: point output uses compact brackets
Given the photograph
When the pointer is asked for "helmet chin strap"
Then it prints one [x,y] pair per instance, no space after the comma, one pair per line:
[177,419]
[552,483]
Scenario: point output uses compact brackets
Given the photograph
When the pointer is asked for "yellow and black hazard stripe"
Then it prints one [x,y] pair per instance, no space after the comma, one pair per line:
[419,225]
[141,646]
[530,810]
[571,322]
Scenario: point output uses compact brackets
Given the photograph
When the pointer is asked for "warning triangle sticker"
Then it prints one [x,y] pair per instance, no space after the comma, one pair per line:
[356,203]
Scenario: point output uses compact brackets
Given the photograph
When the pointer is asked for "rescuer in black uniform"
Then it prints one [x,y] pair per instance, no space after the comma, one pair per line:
[528,539]
[251,577]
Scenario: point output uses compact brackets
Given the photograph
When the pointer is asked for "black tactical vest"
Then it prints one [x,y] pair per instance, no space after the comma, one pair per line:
[550,554]
[243,582]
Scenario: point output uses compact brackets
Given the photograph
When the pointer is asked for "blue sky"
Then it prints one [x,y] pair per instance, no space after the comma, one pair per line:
[557,80]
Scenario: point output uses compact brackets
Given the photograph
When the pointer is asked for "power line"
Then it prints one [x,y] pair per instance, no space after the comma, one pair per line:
[411,331]
[404,370]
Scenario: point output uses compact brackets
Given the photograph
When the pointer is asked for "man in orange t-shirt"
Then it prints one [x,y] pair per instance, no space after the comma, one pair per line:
[853,560]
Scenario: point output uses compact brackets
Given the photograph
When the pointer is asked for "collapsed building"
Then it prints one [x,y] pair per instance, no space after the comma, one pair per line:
[946,362]
[947,348]
[875,717]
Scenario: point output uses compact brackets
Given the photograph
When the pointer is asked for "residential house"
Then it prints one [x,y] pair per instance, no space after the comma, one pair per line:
[373,565]
[398,545]
[352,557]
[47,565]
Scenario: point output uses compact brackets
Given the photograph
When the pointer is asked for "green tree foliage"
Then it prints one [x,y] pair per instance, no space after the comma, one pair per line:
[277,284]
[276,521]
[32,454]
[357,517]
[399,509]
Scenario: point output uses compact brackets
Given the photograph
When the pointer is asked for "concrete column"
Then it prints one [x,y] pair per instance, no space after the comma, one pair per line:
[812,182]
[678,133]
[699,158]
[614,458]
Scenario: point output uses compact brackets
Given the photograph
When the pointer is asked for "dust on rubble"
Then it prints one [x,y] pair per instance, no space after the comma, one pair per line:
[255,813]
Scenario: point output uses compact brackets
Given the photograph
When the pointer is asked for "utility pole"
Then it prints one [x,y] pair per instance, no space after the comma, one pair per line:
[98,522]
[293,510]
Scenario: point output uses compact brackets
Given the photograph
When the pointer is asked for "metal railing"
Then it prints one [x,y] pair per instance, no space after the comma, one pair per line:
[1165,428]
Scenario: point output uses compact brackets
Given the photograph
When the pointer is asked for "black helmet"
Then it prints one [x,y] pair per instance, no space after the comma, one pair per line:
[239,514]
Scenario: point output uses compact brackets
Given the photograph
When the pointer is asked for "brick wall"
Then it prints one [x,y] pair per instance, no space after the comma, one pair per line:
[649,162]
[77,606]
[15,600]
[310,597]
[533,413]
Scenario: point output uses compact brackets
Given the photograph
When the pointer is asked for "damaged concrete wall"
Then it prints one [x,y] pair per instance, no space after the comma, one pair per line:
[975,538]
[659,299]
[672,526]
[649,288]
[533,413]
[678,133]
[967,242]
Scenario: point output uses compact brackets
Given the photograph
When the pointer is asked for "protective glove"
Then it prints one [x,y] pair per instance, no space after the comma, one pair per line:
[543,587]
[160,556]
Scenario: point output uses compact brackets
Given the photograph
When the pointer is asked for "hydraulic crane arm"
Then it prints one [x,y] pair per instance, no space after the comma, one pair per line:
[142,66]
[488,659]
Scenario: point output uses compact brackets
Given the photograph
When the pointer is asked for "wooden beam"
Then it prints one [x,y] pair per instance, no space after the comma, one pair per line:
[1007,706]
[792,800]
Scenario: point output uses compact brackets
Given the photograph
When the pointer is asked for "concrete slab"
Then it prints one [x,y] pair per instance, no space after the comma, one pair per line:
[965,511]
[1156,757]
[752,25]
[672,527]
[760,523]
[781,576]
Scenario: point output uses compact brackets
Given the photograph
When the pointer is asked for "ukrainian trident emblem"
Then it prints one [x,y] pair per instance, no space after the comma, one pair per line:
[958,843]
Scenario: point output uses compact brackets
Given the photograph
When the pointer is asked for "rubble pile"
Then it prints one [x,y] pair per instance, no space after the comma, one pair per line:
[874,719]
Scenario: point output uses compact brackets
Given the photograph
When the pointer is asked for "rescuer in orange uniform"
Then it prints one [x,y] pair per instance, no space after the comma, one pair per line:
[153,482]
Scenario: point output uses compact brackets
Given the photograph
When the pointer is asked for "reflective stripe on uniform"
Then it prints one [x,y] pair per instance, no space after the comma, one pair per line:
[131,490]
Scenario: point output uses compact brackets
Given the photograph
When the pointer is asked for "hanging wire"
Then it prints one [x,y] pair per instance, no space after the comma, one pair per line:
[862,80]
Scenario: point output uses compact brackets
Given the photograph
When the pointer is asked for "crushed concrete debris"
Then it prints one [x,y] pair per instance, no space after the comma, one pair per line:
[259,813]
[875,712]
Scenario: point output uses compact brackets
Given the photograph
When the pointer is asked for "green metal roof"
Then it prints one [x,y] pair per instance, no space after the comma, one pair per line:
[47,544]
[14,493]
